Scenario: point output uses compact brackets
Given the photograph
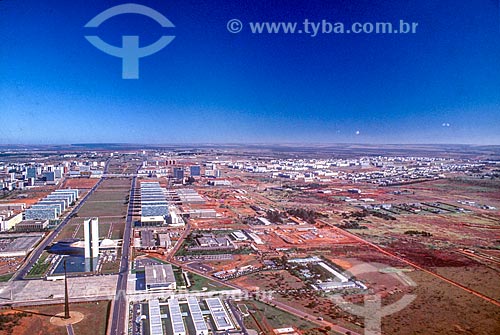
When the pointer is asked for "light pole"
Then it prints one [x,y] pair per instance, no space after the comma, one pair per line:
[66,298]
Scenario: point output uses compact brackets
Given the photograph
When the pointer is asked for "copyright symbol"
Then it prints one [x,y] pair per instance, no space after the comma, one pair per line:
[234,26]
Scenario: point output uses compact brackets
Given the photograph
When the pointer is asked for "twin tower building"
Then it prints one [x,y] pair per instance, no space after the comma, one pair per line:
[91,237]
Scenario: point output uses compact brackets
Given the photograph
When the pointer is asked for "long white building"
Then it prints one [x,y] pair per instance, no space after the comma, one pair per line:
[219,314]
[197,316]
[176,317]
[155,325]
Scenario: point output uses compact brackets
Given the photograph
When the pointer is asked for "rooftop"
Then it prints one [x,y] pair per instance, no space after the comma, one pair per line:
[159,275]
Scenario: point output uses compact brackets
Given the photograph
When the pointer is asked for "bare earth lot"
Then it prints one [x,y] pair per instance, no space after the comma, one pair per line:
[38,320]
[440,308]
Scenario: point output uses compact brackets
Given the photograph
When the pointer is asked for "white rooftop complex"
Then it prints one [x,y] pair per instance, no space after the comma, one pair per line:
[155,325]
[219,314]
[176,317]
[197,316]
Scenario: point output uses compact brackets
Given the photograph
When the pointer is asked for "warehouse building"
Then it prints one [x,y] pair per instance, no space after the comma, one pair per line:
[190,196]
[202,213]
[148,241]
[239,235]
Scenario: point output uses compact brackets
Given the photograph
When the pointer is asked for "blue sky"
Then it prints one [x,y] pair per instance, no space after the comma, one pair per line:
[440,85]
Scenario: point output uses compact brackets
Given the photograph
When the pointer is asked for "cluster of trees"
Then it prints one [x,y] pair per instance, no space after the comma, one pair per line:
[351,225]
[357,215]
[383,215]
[417,232]
[281,261]
[274,216]
[364,213]
[307,215]
[9,321]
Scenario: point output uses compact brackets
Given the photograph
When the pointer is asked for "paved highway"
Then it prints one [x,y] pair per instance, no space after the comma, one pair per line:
[178,244]
[120,308]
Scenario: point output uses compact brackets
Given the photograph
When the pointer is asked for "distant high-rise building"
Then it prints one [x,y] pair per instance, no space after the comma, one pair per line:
[58,172]
[178,173]
[195,170]
[49,176]
[31,172]
[213,173]
[91,237]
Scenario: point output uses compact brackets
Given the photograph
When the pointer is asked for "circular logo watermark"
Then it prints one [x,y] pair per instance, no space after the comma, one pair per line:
[130,52]
[234,26]
[372,310]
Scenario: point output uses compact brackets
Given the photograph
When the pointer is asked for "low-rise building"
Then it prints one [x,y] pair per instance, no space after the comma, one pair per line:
[32,225]
[160,277]
[9,219]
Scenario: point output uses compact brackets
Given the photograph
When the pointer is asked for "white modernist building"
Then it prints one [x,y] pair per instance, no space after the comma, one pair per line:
[91,237]
[219,314]
[197,316]
[155,325]
[176,317]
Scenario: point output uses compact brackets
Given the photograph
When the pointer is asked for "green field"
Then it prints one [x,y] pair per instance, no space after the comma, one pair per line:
[198,283]
[109,204]
[102,208]
[275,317]
[111,194]
[104,225]
[6,277]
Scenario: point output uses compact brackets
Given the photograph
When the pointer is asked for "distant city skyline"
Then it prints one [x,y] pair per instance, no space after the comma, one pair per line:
[439,85]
